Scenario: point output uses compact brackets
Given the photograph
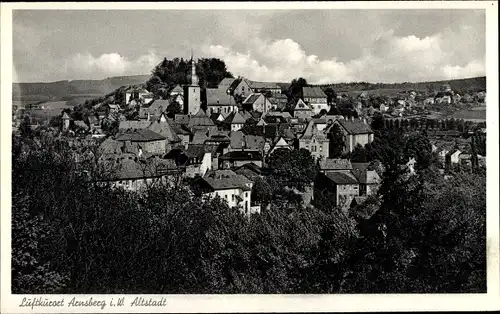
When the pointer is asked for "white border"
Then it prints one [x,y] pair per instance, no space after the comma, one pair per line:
[270,303]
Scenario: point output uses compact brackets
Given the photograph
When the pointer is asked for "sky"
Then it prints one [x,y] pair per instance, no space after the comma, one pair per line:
[323,46]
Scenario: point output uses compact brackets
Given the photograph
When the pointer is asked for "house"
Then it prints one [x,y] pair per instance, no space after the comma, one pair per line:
[154,110]
[369,180]
[443,98]
[278,101]
[219,101]
[335,165]
[238,158]
[301,110]
[240,141]
[356,132]
[163,128]
[112,108]
[257,102]
[234,188]
[315,98]
[429,101]
[201,121]
[134,93]
[147,140]
[453,157]
[280,144]
[314,141]
[383,108]
[341,186]
[195,160]
[240,87]
[177,90]
[237,121]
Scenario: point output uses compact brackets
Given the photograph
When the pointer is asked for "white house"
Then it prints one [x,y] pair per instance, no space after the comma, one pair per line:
[234,188]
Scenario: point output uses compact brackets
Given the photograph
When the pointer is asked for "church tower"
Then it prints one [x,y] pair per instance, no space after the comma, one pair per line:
[192,92]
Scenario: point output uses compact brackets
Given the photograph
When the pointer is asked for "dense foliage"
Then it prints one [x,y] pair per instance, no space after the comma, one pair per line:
[169,73]
[72,236]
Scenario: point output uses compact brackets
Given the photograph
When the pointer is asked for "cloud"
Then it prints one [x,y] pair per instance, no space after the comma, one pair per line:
[109,64]
[388,58]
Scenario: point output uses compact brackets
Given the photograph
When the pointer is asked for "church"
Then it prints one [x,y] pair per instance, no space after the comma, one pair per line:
[192,93]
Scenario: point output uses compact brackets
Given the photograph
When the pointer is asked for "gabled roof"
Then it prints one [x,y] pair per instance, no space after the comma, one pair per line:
[366,176]
[200,119]
[341,178]
[131,124]
[262,85]
[234,84]
[252,142]
[301,105]
[164,129]
[249,170]
[313,92]
[199,137]
[335,164]
[312,131]
[355,126]
[226,179]
[177,89]
[65,116]
[252,98]
[219,97]
[226,83]
[143,135]
[238,118]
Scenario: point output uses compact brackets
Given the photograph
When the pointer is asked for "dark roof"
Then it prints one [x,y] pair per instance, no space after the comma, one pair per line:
[226,179]
[252,98]
[315,92]
[242,155]
[335,164]
[197,151]
[355,126]
[262,85]
[341,178]
[234,84]
[140,136]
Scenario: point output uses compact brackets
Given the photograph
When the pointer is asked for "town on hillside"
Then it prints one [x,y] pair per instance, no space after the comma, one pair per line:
[197,175]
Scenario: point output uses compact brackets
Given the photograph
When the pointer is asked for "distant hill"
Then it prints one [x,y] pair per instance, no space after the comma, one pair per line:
[58,90]
[65,90]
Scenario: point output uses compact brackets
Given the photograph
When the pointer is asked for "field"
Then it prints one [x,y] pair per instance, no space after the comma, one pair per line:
[477,114]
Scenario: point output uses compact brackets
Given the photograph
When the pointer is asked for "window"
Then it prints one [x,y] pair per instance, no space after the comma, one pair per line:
[225,196]
[320,148]
[232,197]
[313,148]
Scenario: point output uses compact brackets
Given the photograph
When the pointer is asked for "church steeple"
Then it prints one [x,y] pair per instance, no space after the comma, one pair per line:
[194,77]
